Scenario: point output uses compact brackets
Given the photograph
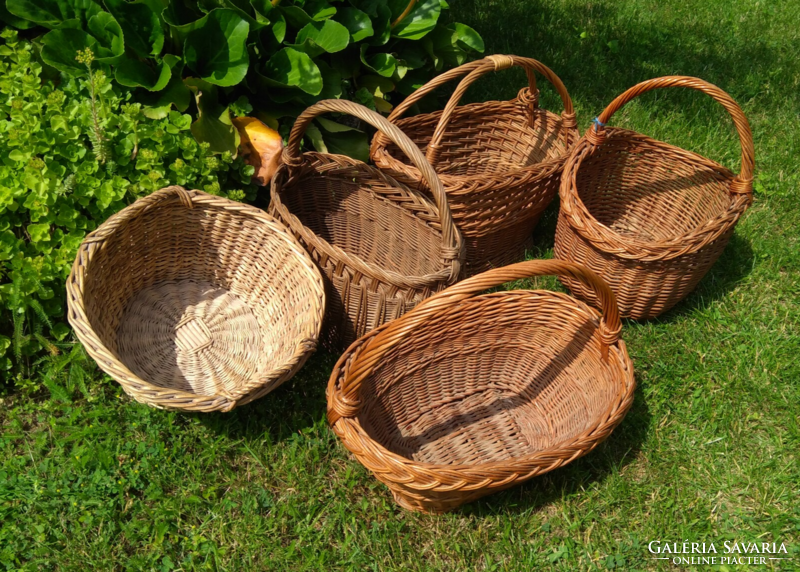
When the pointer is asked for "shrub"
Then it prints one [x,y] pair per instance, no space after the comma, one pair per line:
[70,156]
[279,56]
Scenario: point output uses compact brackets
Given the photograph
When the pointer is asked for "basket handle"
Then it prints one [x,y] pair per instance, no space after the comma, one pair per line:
[346,402]
[292,157]
[742,184]
[473,71]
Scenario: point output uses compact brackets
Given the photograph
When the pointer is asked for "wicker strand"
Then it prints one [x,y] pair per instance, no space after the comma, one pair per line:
[650,218]
[472,393]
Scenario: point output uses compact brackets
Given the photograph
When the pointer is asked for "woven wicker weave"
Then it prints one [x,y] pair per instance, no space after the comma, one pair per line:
[500,162]
[649,217]
[195,302]
[381,247]
[469,394]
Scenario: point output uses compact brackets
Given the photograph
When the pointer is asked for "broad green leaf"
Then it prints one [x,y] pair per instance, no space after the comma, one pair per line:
[382,26]
[14,21]
[413,57]
[331,81]
[354,144]
[151,75]
[316,38]
[319,10]
[51,13]
[333,126]
[140,25]
[59,48]
[217,51]
[469,37]
[213,124]
[444,46]
[278,27]
[357,23]
[290,68]
[296,16]
[368,6]
[382,64]
[181,19]
[108,33]
[376,85]
[315,135]
[175,93]
[421,21]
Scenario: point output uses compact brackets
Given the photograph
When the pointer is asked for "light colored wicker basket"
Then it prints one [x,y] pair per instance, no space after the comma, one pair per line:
[500,161]
[649,217]
[195,302]
[472,393]
[382,247]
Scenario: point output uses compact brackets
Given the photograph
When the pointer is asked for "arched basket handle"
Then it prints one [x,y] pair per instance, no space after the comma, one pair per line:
[346,401]
[743,183]
[473,71]
[292,157]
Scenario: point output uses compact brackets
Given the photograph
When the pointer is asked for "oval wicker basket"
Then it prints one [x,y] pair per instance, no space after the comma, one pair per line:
[648,217]
[195,302]
[382,247]
[500,161]
[472,393]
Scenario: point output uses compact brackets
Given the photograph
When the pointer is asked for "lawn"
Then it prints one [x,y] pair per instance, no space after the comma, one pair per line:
[708,452]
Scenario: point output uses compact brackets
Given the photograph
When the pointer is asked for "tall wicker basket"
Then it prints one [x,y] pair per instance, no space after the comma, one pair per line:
[649,217]
[195,302]
[500,161]
[382,247]
[473,393]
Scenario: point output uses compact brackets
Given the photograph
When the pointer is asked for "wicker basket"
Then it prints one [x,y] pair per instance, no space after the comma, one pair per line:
[500,162]
[469,394]
[195,302]
[649,217]
[381,246]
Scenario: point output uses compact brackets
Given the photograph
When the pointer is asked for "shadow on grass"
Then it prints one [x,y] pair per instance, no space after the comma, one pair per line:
[295,406]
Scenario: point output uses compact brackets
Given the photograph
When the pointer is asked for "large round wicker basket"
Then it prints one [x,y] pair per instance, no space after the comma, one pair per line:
[500,161]
[381,246]
[649,217]
[472,393]
[195,302]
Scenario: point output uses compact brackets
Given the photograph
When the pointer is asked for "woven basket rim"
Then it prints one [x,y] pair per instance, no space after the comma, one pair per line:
[534,462]
[117,369]
[457,185]
[607,240]
[356,262]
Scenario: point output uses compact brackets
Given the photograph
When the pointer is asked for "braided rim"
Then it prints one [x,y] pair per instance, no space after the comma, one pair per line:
[452,249]
[603,237]
[359,359]
[106,359]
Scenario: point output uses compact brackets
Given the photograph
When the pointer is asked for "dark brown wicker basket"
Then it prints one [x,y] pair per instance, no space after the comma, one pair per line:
[382,247]
[195,302]
[473,393]
[649,217]
[500,161]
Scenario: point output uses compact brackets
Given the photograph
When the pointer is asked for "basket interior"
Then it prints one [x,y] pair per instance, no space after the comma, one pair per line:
[359,211]
[487,138]
[648,190]
[496,377]
[200,300]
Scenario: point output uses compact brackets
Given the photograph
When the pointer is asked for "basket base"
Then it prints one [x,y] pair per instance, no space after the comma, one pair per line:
[191,336]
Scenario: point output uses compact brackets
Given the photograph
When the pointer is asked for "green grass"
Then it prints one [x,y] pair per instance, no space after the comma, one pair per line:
[708,452]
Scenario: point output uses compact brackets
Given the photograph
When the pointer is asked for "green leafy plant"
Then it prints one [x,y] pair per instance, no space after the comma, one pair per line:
[70,156]
[280,55]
